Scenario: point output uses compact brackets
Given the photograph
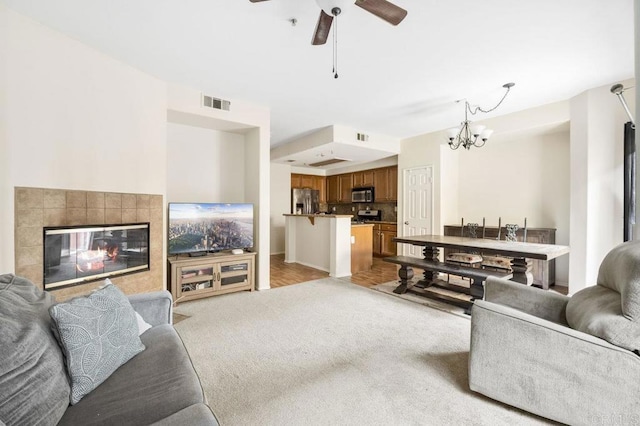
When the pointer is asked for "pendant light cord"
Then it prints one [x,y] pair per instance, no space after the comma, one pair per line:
[335,48]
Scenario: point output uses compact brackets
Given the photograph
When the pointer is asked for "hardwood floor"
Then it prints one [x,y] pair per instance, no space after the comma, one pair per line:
[283,274]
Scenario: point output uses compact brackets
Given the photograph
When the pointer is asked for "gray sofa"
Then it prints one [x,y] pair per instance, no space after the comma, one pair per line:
[157,386]
[570,359]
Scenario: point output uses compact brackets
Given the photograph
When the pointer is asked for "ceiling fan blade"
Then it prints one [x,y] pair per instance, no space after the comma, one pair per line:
[257,1]
[383,9]
[321,33]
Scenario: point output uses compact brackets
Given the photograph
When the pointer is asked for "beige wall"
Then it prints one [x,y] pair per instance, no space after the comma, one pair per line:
[36,208]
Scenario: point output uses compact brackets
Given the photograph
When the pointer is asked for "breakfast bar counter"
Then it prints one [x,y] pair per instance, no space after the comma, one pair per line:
[321,241]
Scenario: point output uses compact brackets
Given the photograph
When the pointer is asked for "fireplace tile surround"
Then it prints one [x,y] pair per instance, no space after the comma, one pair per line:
[36,208]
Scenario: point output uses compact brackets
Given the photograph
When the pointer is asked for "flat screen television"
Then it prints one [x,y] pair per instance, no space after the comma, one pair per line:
[198,228]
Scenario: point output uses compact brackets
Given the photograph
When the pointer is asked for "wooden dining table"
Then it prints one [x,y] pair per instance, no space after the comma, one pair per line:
[519,252]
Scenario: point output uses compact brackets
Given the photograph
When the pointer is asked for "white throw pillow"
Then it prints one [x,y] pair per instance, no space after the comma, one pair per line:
[142,324]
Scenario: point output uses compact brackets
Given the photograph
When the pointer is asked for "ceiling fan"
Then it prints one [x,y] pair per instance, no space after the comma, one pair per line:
[332,8]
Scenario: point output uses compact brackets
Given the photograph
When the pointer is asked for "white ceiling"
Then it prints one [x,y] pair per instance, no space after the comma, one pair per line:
[397,81]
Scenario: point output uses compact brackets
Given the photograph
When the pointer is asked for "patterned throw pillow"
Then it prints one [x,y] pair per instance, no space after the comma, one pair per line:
[98,333]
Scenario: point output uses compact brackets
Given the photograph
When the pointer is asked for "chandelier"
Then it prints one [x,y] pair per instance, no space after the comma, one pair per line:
[468,135]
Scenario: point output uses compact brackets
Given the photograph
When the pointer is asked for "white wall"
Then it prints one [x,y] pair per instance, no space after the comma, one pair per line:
[280,204]
[75,119]
[420,151]
[493,181]
[204,165]
[253,123]
[597,163]
[514,178]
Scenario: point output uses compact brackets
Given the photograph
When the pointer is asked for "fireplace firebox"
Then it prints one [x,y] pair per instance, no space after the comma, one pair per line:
[77,254]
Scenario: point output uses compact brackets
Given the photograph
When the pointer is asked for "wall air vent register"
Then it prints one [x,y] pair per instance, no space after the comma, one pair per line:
[215,103]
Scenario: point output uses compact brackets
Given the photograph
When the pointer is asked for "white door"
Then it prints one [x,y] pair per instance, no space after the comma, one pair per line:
[418,206]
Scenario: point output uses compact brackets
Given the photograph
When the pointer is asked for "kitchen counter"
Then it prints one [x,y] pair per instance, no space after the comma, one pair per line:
[321,241]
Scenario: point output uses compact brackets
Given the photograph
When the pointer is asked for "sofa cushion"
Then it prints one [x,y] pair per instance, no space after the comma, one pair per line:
[34,388]
[152,386]
[98,333]
[597,311]
[620,271]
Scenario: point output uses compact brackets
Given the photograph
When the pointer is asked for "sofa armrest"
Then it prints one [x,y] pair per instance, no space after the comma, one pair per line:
[156,307]
[543,304]
[549,369]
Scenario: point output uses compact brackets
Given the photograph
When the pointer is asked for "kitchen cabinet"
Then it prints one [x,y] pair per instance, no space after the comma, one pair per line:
[339,188]
[386,184]
[393,183]
[310,181]
[345,184]
[361,242]
[383,235]
[319,183]
[363,179]
[333,189]
[302,181]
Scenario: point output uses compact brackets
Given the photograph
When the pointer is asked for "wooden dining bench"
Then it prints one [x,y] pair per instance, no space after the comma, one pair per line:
[476,275]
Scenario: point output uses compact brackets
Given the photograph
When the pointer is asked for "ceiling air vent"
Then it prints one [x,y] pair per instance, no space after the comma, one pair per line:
[327,162]
[215,103]
[362,137]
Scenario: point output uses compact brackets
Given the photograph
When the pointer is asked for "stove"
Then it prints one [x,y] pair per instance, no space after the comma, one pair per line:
[367,216]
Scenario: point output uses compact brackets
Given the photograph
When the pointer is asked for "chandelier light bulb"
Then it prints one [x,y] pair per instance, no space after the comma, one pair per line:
[486,134]
[477,129]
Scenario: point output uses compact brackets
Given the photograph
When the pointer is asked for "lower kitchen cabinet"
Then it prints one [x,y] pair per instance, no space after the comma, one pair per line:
[383,235]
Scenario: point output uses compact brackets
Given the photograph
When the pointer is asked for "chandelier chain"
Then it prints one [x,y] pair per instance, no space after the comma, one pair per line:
[467,135]
[474,111]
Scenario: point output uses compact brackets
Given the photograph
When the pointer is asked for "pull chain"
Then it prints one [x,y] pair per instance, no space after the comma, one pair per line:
[335,49]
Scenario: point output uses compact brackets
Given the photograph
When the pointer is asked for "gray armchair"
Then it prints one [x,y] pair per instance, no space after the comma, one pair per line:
[569,359]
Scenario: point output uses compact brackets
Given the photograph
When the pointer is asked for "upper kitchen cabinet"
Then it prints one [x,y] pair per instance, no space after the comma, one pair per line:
[393,183]
[320,183]
[310,181]
[385,181]
[302,181]
[339,188]
[363,179]
[345,184]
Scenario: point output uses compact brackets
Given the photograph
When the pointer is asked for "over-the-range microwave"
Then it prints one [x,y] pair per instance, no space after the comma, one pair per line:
[362,195]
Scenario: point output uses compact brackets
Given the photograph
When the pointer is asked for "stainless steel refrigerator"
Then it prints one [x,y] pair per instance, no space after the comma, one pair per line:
[305,201]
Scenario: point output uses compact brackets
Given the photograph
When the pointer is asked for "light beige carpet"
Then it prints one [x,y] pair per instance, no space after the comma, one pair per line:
[416,298]
[328,352]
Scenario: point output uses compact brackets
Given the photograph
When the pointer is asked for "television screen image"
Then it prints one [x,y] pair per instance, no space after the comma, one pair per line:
[209,227]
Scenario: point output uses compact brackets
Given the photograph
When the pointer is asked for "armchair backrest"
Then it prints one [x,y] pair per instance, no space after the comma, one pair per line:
[620,271]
